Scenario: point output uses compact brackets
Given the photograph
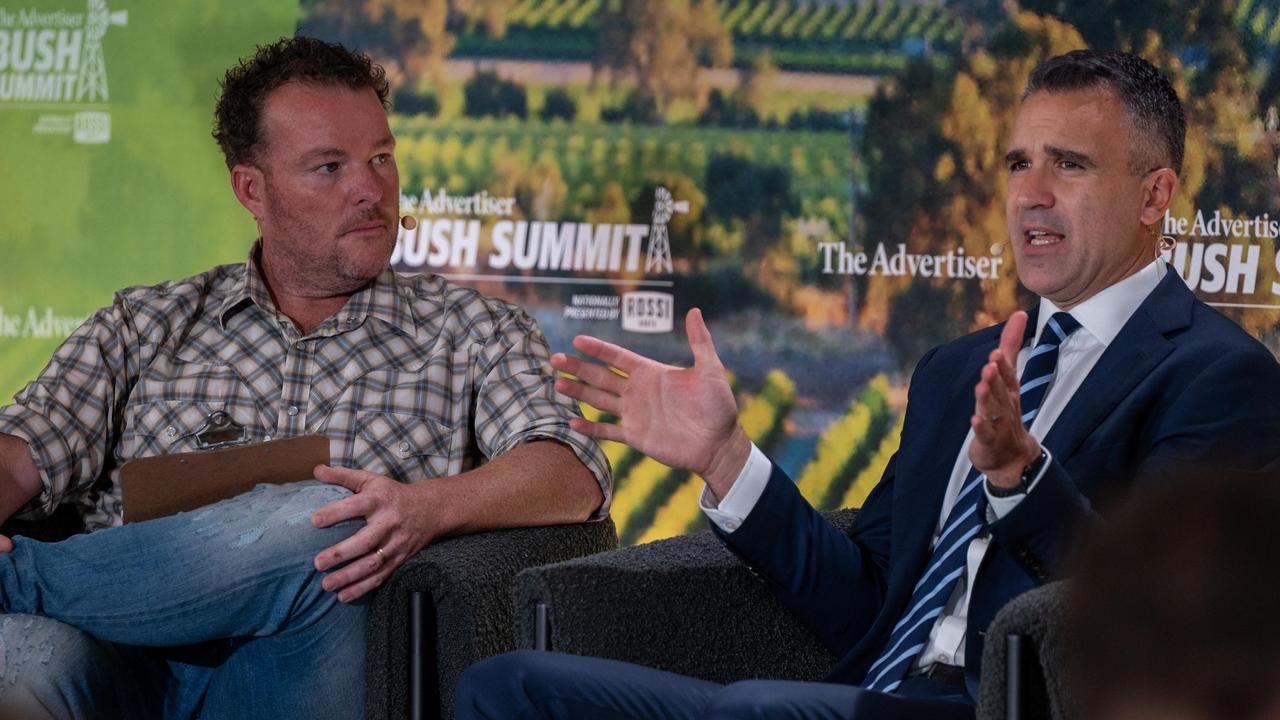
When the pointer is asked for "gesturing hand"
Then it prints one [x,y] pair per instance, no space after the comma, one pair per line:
[682,417]
[1001,446]
[395,528]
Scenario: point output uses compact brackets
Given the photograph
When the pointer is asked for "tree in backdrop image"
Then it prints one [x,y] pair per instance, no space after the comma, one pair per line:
[665,45]
[936,179]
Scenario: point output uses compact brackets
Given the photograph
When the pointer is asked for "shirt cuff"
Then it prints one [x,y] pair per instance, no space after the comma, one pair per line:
[998,507]
[44,444]
[743,495]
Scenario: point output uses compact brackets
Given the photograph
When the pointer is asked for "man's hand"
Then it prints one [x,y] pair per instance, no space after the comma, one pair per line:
[1001,446]
[395,528]
[682,417]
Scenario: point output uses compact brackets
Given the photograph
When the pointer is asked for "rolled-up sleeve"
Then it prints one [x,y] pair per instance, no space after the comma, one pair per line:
[69,415]
[517,400]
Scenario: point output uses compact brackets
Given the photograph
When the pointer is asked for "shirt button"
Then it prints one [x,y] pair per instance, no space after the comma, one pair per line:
[944,658]
[171,432]
[266,438]
[293,410]
[730,525]
[403,449]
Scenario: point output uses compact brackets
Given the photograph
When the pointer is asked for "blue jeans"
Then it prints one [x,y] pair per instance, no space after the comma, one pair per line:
[217,612]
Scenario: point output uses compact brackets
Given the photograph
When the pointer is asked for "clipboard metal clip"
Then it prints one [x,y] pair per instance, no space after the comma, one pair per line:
[219,430]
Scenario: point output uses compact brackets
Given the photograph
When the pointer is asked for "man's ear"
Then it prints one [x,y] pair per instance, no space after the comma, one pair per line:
[248,183]
[1158,191]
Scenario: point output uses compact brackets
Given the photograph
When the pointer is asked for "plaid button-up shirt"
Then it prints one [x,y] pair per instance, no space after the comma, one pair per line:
[414,378]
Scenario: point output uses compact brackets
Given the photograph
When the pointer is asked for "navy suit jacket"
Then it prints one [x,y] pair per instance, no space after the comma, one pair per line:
[1181,389]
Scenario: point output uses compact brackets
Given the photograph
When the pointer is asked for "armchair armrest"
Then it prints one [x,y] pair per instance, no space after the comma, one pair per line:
[1037,619]
[463,589]
[686,604]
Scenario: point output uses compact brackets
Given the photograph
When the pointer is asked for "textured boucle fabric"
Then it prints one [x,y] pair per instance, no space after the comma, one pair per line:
[686,604]
[1039,616]
[468,585]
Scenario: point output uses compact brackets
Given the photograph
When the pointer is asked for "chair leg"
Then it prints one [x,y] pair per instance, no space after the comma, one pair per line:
[1013,664]
[424,695]
[542,627]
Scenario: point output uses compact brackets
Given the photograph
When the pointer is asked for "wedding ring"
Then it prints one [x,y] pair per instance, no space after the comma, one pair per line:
[382,557]
[991,418]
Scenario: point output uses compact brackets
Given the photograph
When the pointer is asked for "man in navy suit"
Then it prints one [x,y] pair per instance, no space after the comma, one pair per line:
[1013,435]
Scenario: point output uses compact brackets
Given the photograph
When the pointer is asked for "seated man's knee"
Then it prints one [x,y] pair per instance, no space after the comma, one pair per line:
[52,670]
[752,700]
[272,523]
[496,687]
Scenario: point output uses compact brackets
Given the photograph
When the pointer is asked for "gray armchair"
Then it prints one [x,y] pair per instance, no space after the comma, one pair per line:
[1023,664]
[665,605]
[449,606]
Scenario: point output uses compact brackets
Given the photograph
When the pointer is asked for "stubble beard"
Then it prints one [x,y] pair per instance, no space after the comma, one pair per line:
[345,266]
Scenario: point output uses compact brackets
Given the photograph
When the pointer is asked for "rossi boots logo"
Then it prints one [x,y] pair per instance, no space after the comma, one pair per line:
[648,312]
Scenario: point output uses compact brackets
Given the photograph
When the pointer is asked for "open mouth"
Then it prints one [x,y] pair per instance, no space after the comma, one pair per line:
[1040,238]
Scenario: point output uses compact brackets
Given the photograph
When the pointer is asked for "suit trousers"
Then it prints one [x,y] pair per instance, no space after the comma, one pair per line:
[528,684]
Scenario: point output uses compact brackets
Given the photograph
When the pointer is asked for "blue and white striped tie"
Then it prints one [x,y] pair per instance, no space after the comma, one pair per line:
[964,522]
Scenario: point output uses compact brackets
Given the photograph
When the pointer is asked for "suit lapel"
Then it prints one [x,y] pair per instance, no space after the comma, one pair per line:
[1139,347]
[926,481]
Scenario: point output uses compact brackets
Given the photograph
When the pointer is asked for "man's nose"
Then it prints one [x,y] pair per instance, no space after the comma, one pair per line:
[1034,188]
[366,186]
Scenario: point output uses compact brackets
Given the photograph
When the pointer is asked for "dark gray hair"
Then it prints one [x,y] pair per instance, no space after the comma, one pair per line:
[1157,122]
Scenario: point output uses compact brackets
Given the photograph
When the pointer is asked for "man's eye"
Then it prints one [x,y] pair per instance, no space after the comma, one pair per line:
[1017,165]
[1069,165]
[382,158]
[328,168]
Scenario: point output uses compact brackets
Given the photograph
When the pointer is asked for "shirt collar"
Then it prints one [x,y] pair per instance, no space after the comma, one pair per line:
[1104,314]
[248,289]
[380,299]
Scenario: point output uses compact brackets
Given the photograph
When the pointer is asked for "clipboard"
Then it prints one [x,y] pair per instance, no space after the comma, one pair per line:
[159,486]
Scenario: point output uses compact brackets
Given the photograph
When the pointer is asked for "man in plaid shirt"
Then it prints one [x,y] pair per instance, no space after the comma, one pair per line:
[246,608]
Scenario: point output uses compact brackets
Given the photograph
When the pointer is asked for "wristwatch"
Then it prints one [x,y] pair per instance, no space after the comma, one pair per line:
[1029,474]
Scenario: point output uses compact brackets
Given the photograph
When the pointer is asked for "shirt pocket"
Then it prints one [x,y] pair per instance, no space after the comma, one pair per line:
[163,427]
[401,446]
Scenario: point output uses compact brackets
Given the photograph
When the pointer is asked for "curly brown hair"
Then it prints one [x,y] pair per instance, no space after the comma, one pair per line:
[237,118]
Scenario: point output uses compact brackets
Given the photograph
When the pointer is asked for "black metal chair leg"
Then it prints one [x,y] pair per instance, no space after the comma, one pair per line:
[1013,664]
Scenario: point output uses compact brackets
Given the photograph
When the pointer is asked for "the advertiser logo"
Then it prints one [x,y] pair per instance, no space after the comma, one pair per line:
[1222,255]
[53,59]
[460,233]
[37,323]
[895,261]
[648,312]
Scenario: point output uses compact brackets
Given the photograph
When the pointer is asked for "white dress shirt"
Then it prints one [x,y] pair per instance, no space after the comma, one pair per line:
[1101,317]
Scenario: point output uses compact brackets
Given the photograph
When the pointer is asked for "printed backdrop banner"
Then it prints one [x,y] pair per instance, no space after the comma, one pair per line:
[824,179]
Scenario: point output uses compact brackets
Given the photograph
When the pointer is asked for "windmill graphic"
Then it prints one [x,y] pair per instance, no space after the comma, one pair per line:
[91,81]
[664,206]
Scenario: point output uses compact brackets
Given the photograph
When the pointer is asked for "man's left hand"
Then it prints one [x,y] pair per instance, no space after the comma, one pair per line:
[1001,446]
[395,528]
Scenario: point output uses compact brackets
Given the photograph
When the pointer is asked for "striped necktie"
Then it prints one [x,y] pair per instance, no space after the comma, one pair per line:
[947,565]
